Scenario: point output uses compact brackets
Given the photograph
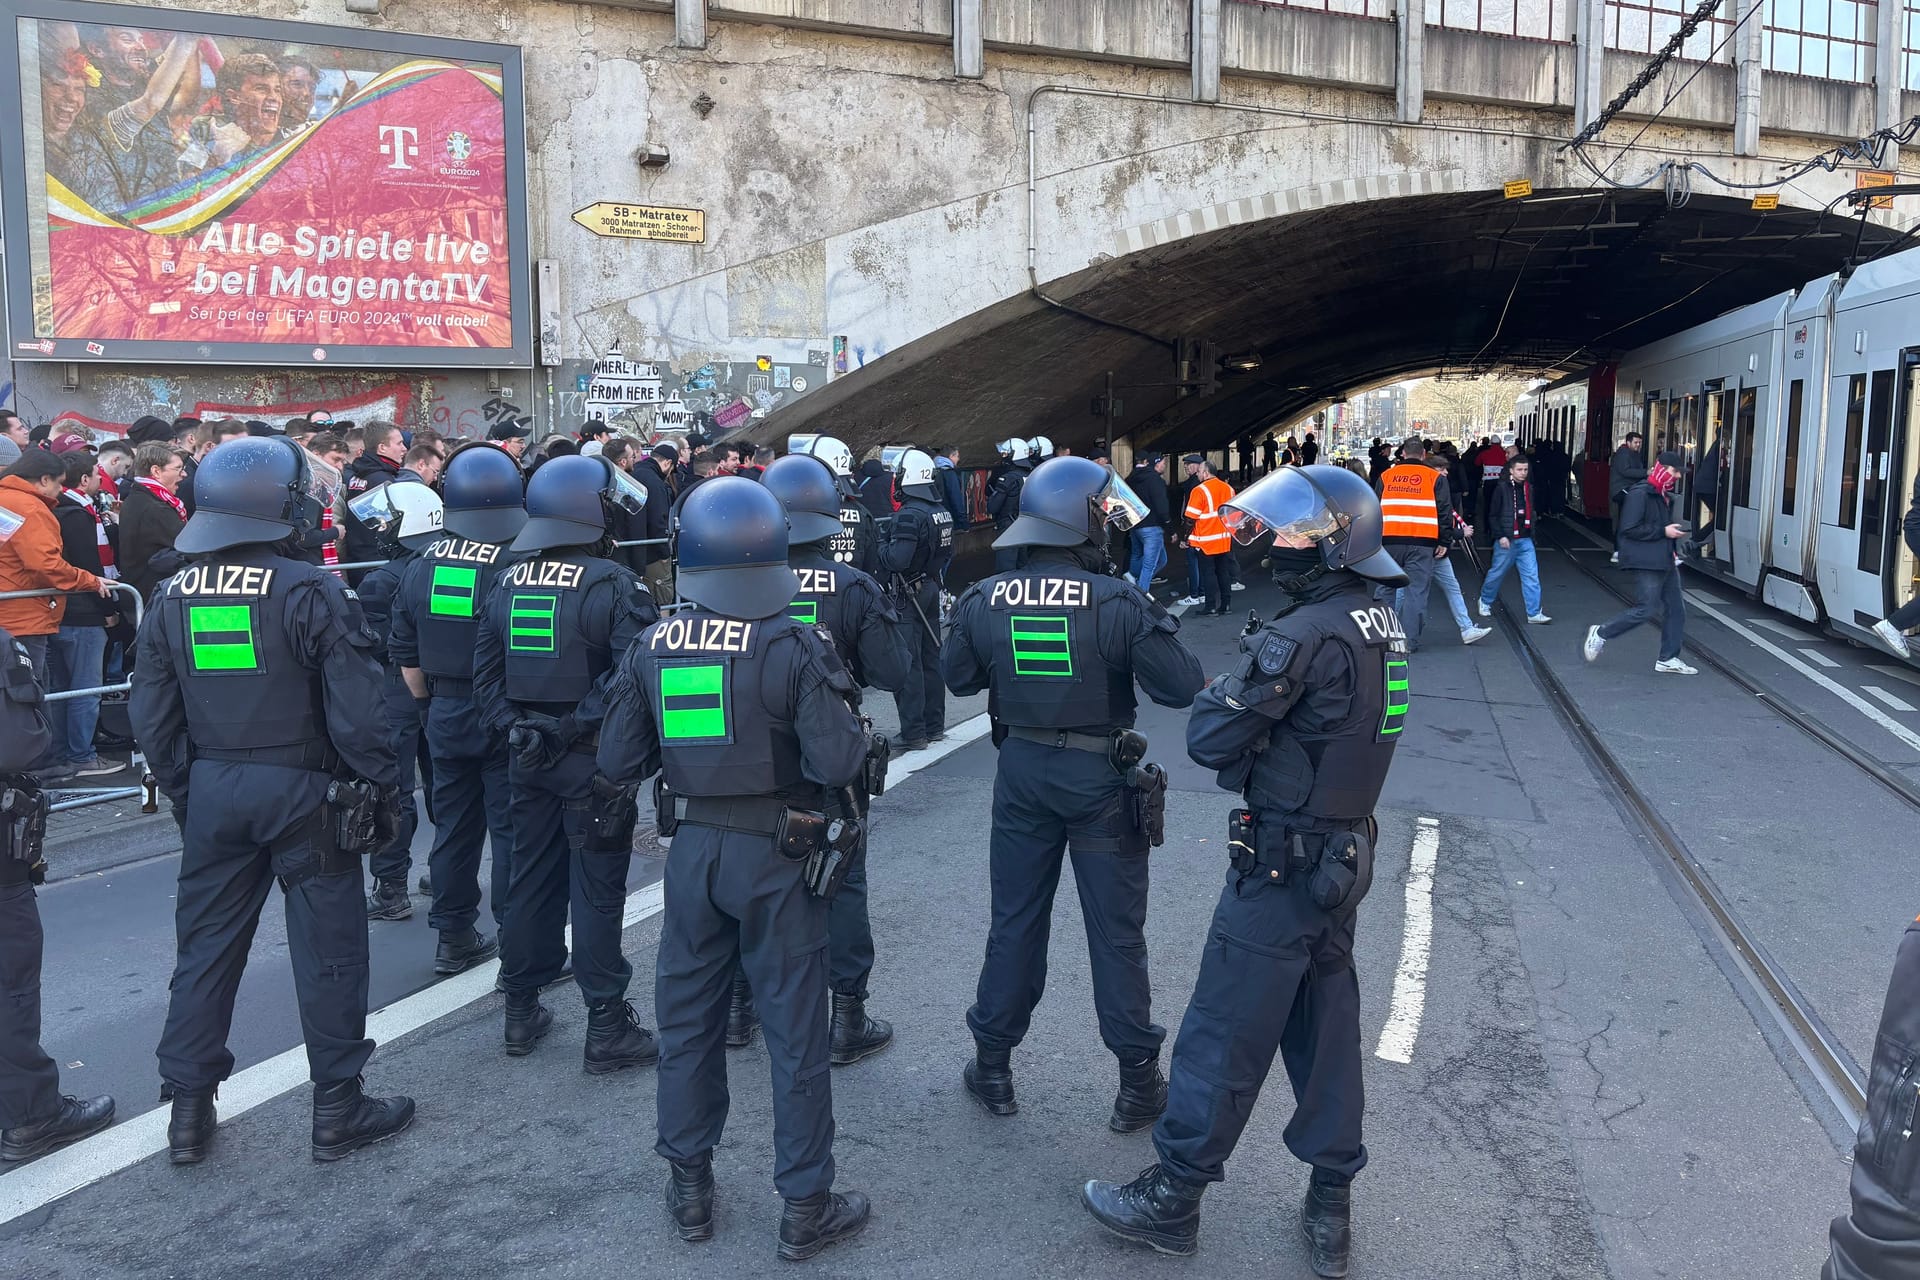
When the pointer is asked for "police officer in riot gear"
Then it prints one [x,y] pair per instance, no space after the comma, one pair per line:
[1304,728]
[436,616]
[1059,643]
[857,543]
[1003,497]
[257,701]
[918,549]
[744,712]
[558,622]
[867,635]
[403,517]
[35,1117]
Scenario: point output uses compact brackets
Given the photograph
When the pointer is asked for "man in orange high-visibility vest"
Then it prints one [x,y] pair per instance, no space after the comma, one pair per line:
[1416,510]
[1209,538]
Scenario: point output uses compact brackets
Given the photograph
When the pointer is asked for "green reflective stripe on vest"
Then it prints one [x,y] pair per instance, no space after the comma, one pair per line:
[806,611]
[1397,696]
[530,623]
[451,593]
[1042,646]
[692,702]
[221,637]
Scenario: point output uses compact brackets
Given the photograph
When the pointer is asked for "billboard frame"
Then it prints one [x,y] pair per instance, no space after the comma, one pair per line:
[24,345]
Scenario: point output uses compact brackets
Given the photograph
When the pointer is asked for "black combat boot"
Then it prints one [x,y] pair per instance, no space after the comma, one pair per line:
[389,901]
[72,1121]
[810,1225]
[1155,1209]
[855,1035]
[1142,1097]
[616,1040]
[900,744]
[742,1019]
[989,1078]
[1326,1221]
[690,1197]
[345,1119]
[462,949]
[527,1021]
[190,1131]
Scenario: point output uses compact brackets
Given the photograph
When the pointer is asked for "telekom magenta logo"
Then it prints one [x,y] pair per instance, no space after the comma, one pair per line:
[399,145]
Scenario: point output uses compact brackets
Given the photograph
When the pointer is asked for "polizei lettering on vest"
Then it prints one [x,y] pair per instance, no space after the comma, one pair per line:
[702,635]
[223,580]
[545,573]
[1379,625]
[1030,593]
[461,549]
[817,582]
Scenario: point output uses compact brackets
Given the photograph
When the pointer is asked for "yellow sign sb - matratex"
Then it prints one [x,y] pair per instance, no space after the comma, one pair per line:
[644,222]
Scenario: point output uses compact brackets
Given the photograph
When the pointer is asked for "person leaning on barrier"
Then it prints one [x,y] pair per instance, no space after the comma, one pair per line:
[404,517]
[918,548]
[436,617]
[35,1117]
[867,635]
[1879,1239]
[858,543]
[1304,727]
[1059,643]
[257,701]
[557,625]
[744,713]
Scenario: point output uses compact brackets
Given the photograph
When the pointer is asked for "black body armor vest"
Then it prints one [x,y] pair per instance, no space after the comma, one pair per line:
[1047,669]
[703,675]
[445,592]
[538,607]
[242,682]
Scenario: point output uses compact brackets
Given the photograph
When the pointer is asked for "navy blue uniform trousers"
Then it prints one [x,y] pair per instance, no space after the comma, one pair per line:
[29,1082]
[553,874]
[472,800]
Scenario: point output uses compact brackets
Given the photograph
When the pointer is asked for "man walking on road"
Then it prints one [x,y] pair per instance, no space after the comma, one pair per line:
[1415,506]
[1209,539]
[1512,534]
[1648,538]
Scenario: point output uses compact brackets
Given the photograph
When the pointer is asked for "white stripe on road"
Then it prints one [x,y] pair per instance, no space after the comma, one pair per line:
[1819,659]
[47,1179]
[1410,982]
[1778,628]
[1898,673]
[1838,690]
[1896,703]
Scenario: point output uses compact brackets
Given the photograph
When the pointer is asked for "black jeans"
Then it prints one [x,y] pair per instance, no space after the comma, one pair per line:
[1657,595]
[29,1082]
[1216,578]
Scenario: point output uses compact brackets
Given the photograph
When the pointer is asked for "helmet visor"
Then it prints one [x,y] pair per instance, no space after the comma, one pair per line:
[376,509]
[1285,504]
[893,456]
[1120,506]
[623,491]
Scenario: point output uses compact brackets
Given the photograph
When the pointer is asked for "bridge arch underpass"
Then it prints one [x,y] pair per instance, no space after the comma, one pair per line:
[1352,290]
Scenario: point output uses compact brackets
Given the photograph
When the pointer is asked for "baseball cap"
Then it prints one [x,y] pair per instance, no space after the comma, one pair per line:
[1194,457]
[667,451]
[510,429]
[68,442]
[1672,460]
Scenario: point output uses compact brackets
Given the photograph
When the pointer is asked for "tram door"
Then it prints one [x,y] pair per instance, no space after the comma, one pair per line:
[1860,558]
[1903,569]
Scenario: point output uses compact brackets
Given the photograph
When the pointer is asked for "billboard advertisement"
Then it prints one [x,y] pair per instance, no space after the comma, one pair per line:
[183,187]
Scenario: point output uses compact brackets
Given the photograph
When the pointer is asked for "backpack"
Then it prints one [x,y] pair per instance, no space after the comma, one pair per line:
[24,731]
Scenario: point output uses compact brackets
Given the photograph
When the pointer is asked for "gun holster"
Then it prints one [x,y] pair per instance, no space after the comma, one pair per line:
[879,752]
[665,820]
[1343,873]
[612,814]
[23,828]
[1147,803]
[840,845]
[800,833]
[353,808]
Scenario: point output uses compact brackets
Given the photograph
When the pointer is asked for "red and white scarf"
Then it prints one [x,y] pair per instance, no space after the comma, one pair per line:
[163,493]
[99,531]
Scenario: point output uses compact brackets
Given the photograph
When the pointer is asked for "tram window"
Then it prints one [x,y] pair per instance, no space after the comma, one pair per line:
[1655,427]
[1873,476]
[1790,473]
[1743,450]
[1850,450]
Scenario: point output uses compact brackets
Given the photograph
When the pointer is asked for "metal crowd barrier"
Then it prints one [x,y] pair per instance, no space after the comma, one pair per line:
[81,797]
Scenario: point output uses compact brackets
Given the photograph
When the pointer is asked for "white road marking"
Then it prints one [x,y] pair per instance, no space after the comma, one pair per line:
[1777,627]
[1819,659]
[1898,673]
[51,1177]
[1838,690]
[1697,596]
[1896,703]
[1410,981]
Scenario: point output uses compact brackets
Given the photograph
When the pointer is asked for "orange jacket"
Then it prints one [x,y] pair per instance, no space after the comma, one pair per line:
[1409,503]
[30,558]
[1204,501]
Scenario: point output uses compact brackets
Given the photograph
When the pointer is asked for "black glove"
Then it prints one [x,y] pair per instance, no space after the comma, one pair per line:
[536,742]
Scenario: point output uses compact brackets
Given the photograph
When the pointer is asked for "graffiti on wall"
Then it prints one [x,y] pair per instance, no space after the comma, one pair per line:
[650,398]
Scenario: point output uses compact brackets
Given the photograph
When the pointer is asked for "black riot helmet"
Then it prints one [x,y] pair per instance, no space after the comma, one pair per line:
[567,501]
[1331,506]
[484,493]
[248,490]
[1070,501]
[806,488]
[733,549]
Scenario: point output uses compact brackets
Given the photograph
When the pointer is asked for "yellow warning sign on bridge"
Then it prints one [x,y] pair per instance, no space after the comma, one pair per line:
[644,222]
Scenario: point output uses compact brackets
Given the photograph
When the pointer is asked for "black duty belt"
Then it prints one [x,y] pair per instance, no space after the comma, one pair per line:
[317,755]
[586,746]
[1062,739]
[449,687]
[750,815]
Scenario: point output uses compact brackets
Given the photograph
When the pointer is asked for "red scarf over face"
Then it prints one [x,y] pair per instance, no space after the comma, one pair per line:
[1663,478]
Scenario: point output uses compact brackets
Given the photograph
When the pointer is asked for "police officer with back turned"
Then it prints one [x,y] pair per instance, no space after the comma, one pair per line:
[918,549]
[555,627]
[1059,643]
[867,636]
[257,701]
[745,714]
[436,615]
[1304,727]
[857,544]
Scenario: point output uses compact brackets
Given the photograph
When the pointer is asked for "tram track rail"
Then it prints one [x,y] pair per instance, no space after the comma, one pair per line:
[1826,1061]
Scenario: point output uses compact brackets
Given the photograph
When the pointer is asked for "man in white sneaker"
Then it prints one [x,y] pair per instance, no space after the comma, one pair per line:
[1511,511]
[1648,549]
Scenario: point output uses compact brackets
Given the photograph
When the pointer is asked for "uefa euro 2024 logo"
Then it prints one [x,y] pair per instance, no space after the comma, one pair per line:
[459,147]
